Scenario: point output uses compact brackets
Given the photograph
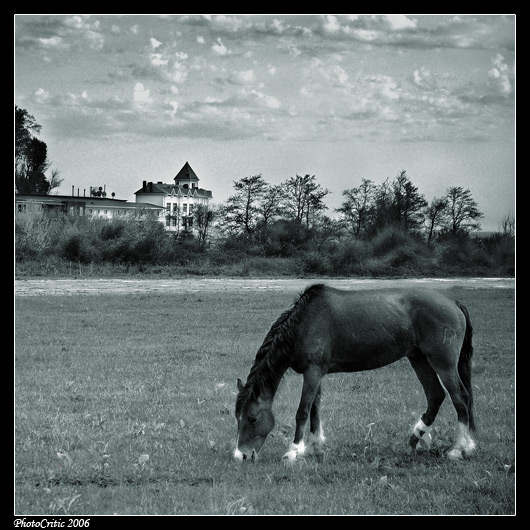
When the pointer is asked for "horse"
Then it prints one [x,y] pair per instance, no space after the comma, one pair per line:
[330,330]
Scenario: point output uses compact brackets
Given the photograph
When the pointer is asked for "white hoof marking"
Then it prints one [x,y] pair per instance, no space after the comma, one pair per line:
[423,433]
[294,452]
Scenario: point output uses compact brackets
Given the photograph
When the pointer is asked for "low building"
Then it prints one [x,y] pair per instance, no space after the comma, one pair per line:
[178,200]
[92,206]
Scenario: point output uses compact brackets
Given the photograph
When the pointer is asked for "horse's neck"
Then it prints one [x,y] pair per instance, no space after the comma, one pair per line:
[270,373]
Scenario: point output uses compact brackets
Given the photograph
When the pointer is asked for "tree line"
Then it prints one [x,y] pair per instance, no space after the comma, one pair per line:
[256,206]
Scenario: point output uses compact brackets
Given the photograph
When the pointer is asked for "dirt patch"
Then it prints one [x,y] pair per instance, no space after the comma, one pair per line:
[36,287]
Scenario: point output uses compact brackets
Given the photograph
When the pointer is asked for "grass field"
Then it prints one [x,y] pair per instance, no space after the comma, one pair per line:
[124,405]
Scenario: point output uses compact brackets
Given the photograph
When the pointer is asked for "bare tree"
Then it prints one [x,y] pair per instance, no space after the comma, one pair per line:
[357,209]
[269,206]
[204,217]
[241,211]
[303,198]
[462,211]
[507,225]
[434,216]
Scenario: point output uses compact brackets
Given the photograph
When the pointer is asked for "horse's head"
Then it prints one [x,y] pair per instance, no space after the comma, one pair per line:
[254,421]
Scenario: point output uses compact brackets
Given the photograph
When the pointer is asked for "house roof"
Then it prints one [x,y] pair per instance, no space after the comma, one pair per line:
[186,173]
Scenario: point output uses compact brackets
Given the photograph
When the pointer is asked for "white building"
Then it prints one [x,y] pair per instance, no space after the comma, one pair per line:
[178,200]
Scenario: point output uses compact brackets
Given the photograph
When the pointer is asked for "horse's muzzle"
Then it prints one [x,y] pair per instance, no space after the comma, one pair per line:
[244,455]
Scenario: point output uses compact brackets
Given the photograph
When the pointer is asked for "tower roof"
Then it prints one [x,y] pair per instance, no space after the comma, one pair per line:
[186,173]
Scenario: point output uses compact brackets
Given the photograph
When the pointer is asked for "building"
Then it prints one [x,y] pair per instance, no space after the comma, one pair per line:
[89,206]
[178,200]
[172,204]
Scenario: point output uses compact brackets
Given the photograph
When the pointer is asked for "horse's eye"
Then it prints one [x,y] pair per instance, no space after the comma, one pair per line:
[252,419]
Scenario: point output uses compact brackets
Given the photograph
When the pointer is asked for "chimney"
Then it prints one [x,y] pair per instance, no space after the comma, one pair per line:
[73,191]
[144,184]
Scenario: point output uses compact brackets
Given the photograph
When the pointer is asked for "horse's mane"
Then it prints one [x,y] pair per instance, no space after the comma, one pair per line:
[273,355]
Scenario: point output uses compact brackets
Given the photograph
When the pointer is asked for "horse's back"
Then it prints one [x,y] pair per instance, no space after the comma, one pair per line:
[366,329]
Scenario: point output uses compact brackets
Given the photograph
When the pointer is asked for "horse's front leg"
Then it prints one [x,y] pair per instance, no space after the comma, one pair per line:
[316,435]
[310,389]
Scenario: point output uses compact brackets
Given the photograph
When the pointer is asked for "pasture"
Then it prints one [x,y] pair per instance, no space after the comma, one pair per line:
[124,404]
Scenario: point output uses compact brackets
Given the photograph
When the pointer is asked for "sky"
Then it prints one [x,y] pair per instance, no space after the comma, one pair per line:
[127,98]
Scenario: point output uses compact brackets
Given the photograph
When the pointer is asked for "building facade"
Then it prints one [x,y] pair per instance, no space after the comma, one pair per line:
[178,201]
[92,206]
[174,205]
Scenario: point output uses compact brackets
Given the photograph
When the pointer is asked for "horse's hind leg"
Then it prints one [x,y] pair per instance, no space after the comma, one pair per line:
[464,443]
[434,393]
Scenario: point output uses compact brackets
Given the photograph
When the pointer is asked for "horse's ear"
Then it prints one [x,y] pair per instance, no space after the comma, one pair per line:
[239,384]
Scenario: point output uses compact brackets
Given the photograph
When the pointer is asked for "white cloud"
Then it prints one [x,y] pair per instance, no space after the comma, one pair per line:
[269,101]
[499,75]
[90,29]
[51,42]
[179,72]
[331,24]
[399,22]
[141,95]
[155,43]
[423,79]
[246,76]
[174,107]
[157,59]
[41,95]
[219,48]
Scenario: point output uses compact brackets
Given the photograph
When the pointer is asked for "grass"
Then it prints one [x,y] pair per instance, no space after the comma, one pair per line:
[124,405]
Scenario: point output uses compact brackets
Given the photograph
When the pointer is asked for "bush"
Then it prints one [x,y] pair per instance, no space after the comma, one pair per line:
[285,248]
[349,257]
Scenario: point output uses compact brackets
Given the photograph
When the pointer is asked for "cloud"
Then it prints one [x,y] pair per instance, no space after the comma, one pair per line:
[325,86]
[141,95]
[155,43]
[219,48]
[246,76]
[423,79]
[399,22]
[268,101]
[499,75]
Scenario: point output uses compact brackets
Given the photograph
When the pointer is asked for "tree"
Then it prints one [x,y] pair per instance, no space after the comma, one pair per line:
[357,209]
[242,212]
[383,209]
[31,157]
[25,125]
[269,206]
[462,213]
[303,198]
[408,204]
[507,225]
[434,216]
[203,220]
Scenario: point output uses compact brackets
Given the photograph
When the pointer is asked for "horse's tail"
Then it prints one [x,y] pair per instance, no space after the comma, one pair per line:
[464,362]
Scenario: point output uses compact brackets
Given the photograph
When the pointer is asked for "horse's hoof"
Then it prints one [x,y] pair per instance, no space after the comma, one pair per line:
[455,455]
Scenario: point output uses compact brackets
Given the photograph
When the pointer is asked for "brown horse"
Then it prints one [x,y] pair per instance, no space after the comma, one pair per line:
[329,330]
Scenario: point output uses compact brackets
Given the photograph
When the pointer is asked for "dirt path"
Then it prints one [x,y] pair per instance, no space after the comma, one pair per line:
[37,287]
